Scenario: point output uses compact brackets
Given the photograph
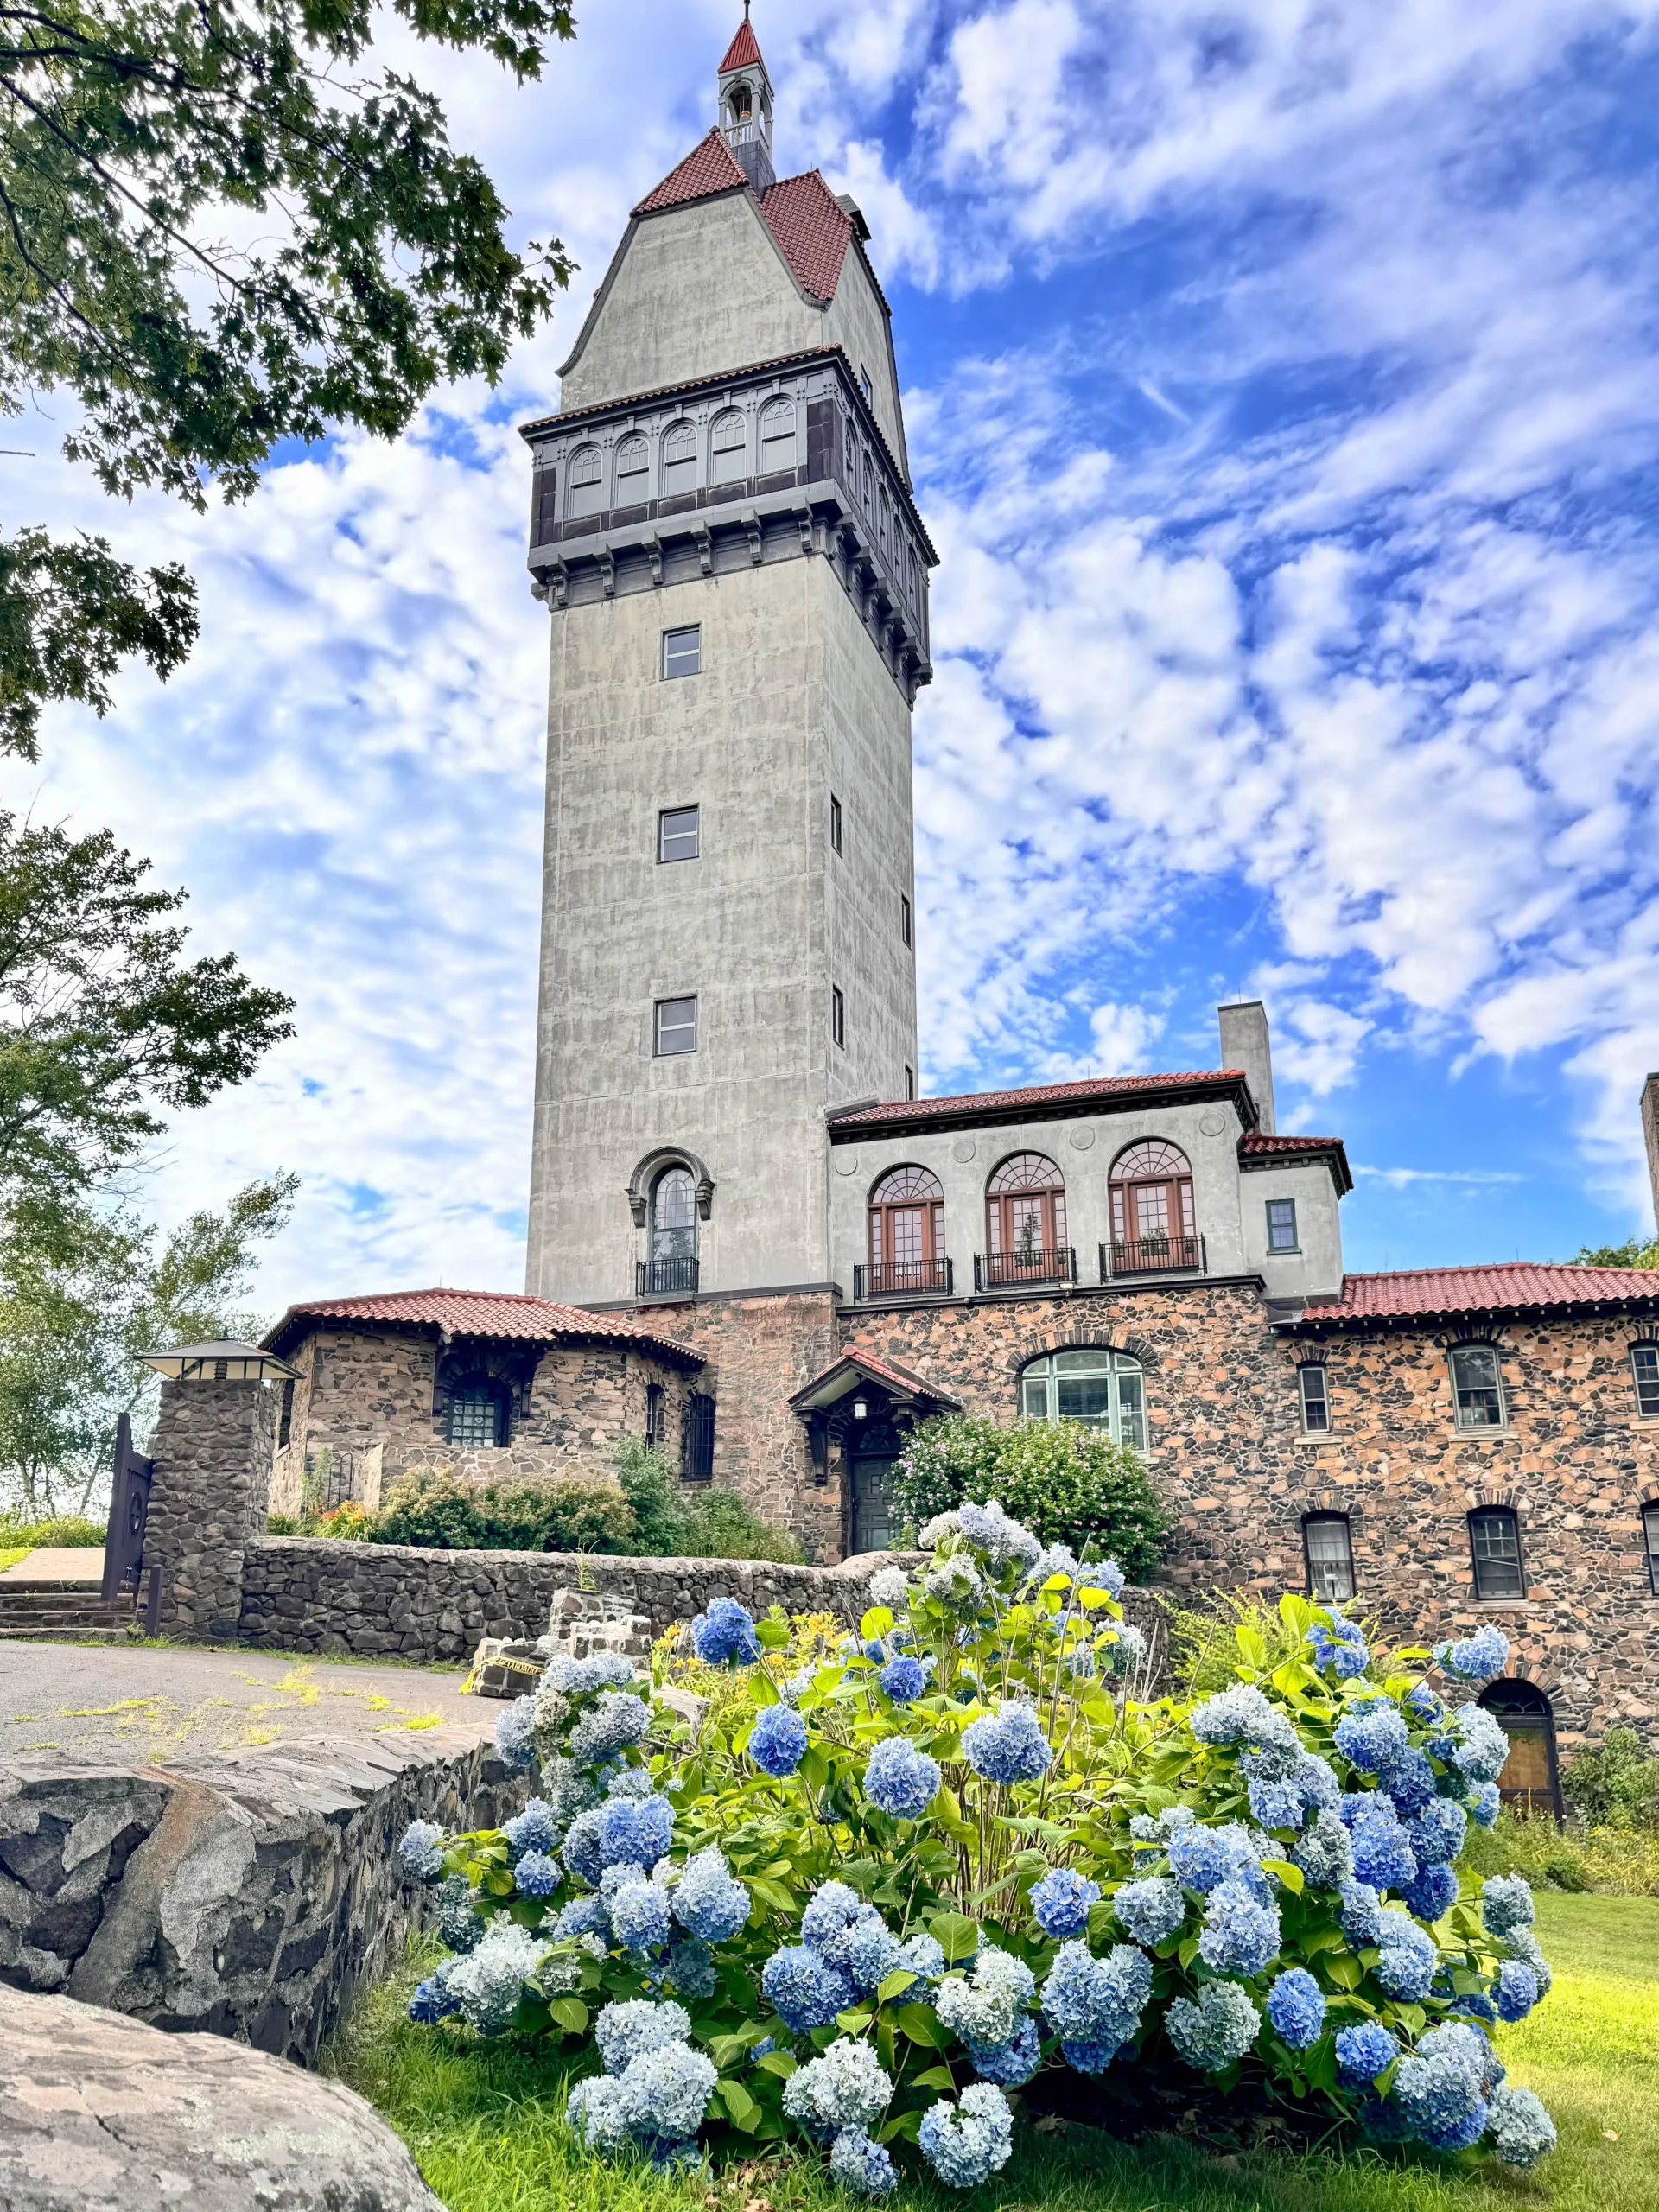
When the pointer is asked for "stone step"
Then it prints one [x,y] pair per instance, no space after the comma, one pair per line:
[99,1634]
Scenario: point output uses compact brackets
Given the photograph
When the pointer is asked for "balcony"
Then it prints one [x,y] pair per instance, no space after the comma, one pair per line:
[902,1279]
[1026,1268]
[674,1278]
[1151,1255]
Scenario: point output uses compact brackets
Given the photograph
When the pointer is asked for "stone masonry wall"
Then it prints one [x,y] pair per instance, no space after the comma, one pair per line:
[1228,1452]
[212,1451]
[246,1893]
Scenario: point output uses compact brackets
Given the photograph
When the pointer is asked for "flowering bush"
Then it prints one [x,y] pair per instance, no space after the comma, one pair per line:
[871,1896]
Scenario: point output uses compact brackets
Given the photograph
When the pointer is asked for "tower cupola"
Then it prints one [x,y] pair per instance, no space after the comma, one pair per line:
[746,106]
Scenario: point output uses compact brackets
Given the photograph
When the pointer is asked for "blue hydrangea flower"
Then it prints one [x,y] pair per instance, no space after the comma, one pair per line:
[593,2111]
[1361,1914]
[632,1831]
[862,2164]
[639,1916]
[581,1848]
[709,1901]
[575,1678]
[1440,2093]
[1406,1968]
[1478,1747]
[1085,2057]
[1434,1892]
[1439,1831]
[1060,1902]
[1090,2001]
[615,1721]
[803,1989]
[537,1874]
[1483,1802]
[966,2143]
[1276,1804]
[420,1854]
[1474,2007]
[990,1530]
[1475,1658]
[778,1740]
[664,2094]
[515,1739]
[904,1679]
[1383,1852]
[1008,1747]
[1240,1934]
[582,1917]
[1506,1904]
[490,1980]
[537,1828]
[1202,1858]
[432,2002]
[830,1911]
[845,2086]
[1410,1780]
[692,1969]
[1010,2065]
[1369,1740]
[1324,1854]
[724,1636]
[1522,2132]
[458,1923]
[1521,1943]
[901,1781]
[1296,2008]
[1151,1910]
[1340,1646]
[1241,1718]
[924,1956]
[984,2005]
[1364,2052]
[1315,1779]
[1424,1703]
[1517,1991]
[1217,2029]
[626,2031]
[872,1952]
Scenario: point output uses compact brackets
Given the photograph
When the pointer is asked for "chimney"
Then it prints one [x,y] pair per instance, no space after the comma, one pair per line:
[1244,1045]
[1650,1131]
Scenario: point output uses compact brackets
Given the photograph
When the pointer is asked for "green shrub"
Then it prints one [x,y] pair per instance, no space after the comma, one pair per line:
[71,1531]
[1207,1640]
[1068,1483]
[1611,1784]
[282,1524]
[1619,1862]
[431,1506]
[723,1525]
[650,1484]
[672,1521]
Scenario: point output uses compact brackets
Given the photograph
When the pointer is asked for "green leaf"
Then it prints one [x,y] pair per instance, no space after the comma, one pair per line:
[854,2022]
[736,2100]
[1347,1974]
[876,1622]
[1289,1875]
[780,2062]
[774,1635]
[957,1936]
[894,1985]
[921,2025]
[570,2013]
[907,2124]
[937,2077]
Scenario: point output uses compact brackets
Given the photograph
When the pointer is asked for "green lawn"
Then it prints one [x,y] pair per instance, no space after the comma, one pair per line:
[481,2120]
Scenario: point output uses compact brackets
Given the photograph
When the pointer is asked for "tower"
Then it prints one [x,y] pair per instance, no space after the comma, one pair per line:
[736,577]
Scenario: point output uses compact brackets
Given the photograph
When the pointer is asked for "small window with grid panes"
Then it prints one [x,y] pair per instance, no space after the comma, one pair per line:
[1328,1543]
[1316,1399]
[475,1417]
[682,652]
[679,836]
[1644,1367]
[677,1027]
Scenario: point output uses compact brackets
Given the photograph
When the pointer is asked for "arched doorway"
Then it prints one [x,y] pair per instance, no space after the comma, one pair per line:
[1531,1780]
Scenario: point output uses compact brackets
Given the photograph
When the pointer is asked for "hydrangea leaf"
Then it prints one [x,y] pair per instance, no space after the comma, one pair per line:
[737,2100]
[957,1936]
[918,2022]
[773,1634]
[894,1985]
[854,2022]
[1347,1974]
[907,2124]
[876,1622]
[780,2062]
[1284,1872]
[570,2013]
[937,2077]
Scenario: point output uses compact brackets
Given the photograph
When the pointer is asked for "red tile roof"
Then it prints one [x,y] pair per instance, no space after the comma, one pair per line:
[905,1380]
[812,228]
[743,52]
[1509,1286]
[1038,1095]
[1258,1141]
[481,1313]
[709,167]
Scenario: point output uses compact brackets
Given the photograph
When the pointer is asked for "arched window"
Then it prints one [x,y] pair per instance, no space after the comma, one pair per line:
[478,1415]
[587,482]
[777,437]
[1101,1389]
[1530,1780]
[1477,1386]
[680,459]
[1650,1543]
[906,1235]
[673,1261]
[632,471]
[1328,1548]
[731,448]
[1025,1222]
[1152,1227]
[1495,1551]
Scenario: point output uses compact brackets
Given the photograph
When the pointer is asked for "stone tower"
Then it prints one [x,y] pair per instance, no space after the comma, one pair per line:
[736,578]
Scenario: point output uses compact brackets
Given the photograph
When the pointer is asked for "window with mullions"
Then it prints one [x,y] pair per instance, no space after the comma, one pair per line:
[1102,1389]
[1644,1367]
[676,1027]
[1651,1542]
[1281,1225]
[682,652]
[655,1399]
[1477,1386]
[1495,1550]
[1316,1400]
[477,1417]
[678,834]
[1328,1548]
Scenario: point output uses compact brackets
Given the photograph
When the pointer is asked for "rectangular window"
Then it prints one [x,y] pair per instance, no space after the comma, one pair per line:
[677,1027]
[1650,1538]
[697,1438]
[904,918]
[285,1427]
[910,1082]
[1495,1546]
[1644,1365]
[654,1399]
[1328,1543]
[1316,1403]
[682,652]
[835,822]
[837,1016]
[678,834]
[1477,1386]
[865,385]
[1281,1225]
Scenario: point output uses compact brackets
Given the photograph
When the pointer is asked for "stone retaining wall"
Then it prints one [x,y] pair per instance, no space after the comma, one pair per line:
[246,1893]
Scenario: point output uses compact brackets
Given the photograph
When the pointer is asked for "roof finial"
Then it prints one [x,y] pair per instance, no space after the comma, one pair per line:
[745,11]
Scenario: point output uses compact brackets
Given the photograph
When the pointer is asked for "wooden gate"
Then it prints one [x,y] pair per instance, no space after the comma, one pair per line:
[123,1541]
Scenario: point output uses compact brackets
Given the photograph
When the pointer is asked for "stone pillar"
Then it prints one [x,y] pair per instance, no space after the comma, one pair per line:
[214,1451]
[1650,1131]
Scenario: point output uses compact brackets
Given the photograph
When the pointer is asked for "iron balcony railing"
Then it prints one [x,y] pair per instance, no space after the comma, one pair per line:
[900,1279]
[1151,1255]
[1027,1264]
[664,1277]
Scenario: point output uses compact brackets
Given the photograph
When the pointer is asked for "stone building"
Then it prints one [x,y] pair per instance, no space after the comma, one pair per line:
[752,1240]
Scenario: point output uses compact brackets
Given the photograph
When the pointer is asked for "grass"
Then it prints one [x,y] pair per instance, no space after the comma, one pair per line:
[483,2120]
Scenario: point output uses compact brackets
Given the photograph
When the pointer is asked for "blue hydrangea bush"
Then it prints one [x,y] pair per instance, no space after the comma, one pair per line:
[877,1892]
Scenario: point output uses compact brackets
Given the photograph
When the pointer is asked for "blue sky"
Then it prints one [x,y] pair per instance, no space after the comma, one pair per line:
[1281,391]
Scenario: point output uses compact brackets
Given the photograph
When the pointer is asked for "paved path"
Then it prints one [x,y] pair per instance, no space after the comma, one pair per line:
[58,1563]
[151,1703]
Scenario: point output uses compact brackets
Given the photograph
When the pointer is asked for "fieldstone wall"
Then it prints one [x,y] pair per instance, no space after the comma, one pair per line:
[246,1893]
[213,1449]
[1227,1449]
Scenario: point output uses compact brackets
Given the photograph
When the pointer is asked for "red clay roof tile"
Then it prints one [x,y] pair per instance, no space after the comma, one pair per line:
[482,1313]
[744,52]
[1514,1287]
[709,167]
[811,227]
[1039,1094]
[1258,1141]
